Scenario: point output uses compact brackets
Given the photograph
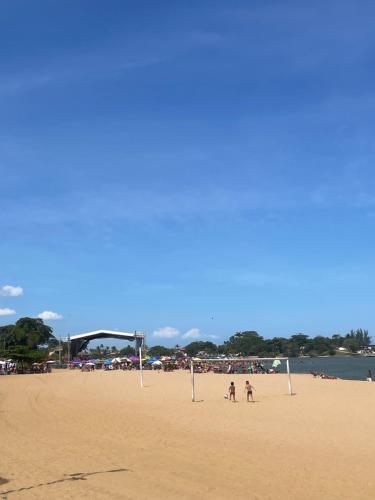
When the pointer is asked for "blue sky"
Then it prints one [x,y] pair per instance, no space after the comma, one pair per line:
[202,166]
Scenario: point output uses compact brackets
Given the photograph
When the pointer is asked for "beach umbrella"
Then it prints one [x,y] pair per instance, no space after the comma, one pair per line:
[157,363]
[90,364]
[134,358]
[108,362]
[152,360]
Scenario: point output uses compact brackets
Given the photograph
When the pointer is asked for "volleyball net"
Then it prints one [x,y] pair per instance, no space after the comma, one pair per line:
[248,366]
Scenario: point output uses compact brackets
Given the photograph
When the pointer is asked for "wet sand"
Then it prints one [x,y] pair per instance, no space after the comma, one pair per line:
[99,435]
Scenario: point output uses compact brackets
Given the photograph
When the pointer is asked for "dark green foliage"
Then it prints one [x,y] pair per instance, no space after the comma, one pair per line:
[193,348]
[361,336]
[29,341]
[28,356]
[30,332]
[26,340]
[352,344]
[159,350]
[248,343]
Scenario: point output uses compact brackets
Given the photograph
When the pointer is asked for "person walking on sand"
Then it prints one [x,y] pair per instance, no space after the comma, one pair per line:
[249,391]
[232,392]
[369,376]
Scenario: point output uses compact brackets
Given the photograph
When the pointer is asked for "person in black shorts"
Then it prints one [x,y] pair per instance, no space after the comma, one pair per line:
[249,391]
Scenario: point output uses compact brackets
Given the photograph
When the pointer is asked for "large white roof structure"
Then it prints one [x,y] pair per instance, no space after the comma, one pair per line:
[107,333]
[79,342]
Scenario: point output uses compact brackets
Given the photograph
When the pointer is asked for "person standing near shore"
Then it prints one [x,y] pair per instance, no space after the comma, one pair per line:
[369,376]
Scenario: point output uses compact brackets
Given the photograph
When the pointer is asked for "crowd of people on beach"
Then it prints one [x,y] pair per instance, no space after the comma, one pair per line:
[130,364]
[233,367]
[163,363]
[169,365]
[9,367]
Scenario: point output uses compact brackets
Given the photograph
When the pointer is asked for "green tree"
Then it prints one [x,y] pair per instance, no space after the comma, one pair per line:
[26,341]
[279,346]
[362,336]
[127,351]
[321,345]
[337,341]
[6,337]
[26,355]
[29,332]
[248,343]
[352,344]
[193,348]
[300,340]
[159,350]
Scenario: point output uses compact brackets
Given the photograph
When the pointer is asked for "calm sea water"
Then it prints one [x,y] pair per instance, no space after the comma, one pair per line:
[351,368]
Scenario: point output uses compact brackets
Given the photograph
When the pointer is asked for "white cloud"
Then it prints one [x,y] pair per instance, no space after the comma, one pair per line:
[193,333]
[213,337]
[167,332]
[48,315]
[7,312]
[11,291]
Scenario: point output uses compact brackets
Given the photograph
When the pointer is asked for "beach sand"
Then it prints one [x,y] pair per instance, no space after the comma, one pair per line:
[99,435]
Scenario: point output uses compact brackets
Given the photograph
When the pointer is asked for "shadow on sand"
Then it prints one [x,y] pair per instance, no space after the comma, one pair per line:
[78,476]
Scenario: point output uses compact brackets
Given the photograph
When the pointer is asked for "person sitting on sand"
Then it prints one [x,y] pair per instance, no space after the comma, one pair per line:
[232,392]
[328,377]
[249,391]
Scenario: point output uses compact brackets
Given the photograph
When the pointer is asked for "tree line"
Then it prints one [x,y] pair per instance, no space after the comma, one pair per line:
[250,343]
[30,340]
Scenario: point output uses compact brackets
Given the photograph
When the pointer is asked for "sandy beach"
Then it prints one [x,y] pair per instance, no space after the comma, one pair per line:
[99,435]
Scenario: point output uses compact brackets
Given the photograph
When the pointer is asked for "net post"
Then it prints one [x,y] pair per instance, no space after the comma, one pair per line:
[289,378]
[192,381]
[60,351]
[69,352]
[140,365]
